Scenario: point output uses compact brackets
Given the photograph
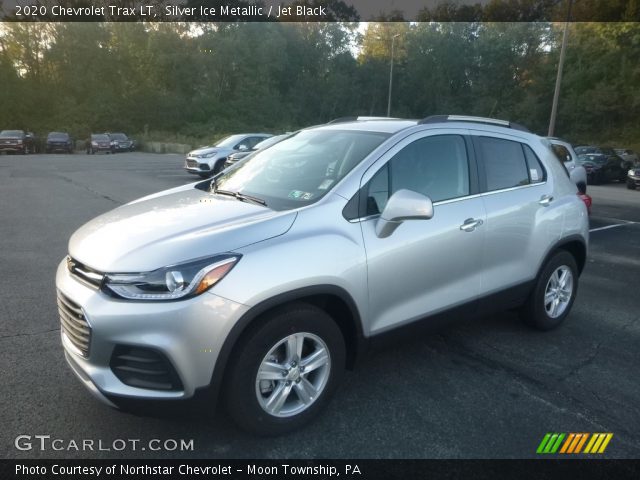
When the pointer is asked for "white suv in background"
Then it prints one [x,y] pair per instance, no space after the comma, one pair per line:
[567,155]
[208,161]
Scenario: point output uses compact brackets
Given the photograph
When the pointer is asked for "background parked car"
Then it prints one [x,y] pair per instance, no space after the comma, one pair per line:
[207,161]
[59,142]
[627,155]
[603,168]
[99,142]
[121,143]
[234,157]
[17,141]
[565,153]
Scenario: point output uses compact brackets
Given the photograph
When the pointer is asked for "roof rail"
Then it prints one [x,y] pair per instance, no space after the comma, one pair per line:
[467,118]
[359,118]
[342,120]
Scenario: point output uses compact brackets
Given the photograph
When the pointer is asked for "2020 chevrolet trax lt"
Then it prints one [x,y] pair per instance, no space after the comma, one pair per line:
[263,284]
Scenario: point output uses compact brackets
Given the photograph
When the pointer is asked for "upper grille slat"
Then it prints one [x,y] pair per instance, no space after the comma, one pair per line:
[74,325]
[84,274]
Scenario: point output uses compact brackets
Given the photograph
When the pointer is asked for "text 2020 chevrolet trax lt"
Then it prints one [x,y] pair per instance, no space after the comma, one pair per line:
[265,283]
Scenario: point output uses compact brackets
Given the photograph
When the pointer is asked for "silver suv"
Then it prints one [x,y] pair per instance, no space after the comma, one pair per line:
[208,161]
[266,282]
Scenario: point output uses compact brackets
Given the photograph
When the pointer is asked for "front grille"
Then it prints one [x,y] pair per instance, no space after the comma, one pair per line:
[74,324]
[144,368]
[192,163]
[84,274]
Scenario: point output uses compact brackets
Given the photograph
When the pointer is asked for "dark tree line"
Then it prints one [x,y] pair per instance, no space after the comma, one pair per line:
[198,81]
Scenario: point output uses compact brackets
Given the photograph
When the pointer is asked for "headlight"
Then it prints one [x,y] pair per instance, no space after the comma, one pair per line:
[174,282]
[95,144]
[209,155]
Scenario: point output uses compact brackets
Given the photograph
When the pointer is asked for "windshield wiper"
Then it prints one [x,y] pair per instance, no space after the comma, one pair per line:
[241,196]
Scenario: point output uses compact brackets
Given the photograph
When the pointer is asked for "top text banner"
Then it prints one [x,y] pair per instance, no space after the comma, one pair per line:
[208,10]
[313,10]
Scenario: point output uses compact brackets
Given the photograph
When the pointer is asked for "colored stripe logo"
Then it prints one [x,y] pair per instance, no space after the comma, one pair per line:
[572,443]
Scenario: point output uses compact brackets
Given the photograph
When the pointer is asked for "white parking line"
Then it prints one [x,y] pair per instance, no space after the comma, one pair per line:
[611,226]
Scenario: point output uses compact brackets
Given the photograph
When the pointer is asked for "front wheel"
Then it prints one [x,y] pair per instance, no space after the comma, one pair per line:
[555,290]
[285,370]
[631,185]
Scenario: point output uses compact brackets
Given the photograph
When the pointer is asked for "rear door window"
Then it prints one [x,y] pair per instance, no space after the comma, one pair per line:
[504,163]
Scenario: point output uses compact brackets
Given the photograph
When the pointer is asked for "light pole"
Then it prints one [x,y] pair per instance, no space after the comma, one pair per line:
[393,41]
[556,92]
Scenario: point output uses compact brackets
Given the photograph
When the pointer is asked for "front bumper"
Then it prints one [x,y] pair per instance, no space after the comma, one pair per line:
[189,333]
[635,180]
[58,147]
[197,165]
[12,148]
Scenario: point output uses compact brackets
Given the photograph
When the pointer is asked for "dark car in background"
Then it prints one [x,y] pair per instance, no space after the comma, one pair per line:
[99,142]
[235,157]
[602,168]
[59,142]
[17,141]
[121,143]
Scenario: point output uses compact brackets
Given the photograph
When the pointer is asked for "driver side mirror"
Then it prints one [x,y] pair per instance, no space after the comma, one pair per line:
[403,205]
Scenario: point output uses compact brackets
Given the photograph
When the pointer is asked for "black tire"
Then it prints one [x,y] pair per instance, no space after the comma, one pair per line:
[631,185]
[534,313]
[241,386]
[219,166]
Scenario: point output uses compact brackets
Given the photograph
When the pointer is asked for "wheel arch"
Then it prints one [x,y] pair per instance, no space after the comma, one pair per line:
[575,245]
[332,299]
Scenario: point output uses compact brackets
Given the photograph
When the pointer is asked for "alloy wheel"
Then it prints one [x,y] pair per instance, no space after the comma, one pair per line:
[293,374]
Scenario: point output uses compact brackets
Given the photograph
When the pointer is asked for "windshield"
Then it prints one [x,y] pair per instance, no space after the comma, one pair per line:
[11,133]
[100,138]
[118,136]
[592,158]
[269,141]
[230,142]
[57,136]
[585,150]
[301,169]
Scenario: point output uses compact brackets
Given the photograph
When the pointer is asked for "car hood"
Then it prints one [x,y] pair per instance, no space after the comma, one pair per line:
[205,150]
[172,228]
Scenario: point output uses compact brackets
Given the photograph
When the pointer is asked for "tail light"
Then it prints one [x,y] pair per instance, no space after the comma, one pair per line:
[587,201]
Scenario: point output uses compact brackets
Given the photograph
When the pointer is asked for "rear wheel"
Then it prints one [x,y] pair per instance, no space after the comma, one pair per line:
[555,290]
[285,370]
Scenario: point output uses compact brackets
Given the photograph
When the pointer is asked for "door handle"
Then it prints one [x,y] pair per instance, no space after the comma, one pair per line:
[545,200]
[470,224]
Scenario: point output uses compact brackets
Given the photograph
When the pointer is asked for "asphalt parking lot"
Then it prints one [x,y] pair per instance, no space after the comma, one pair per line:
[482,389]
